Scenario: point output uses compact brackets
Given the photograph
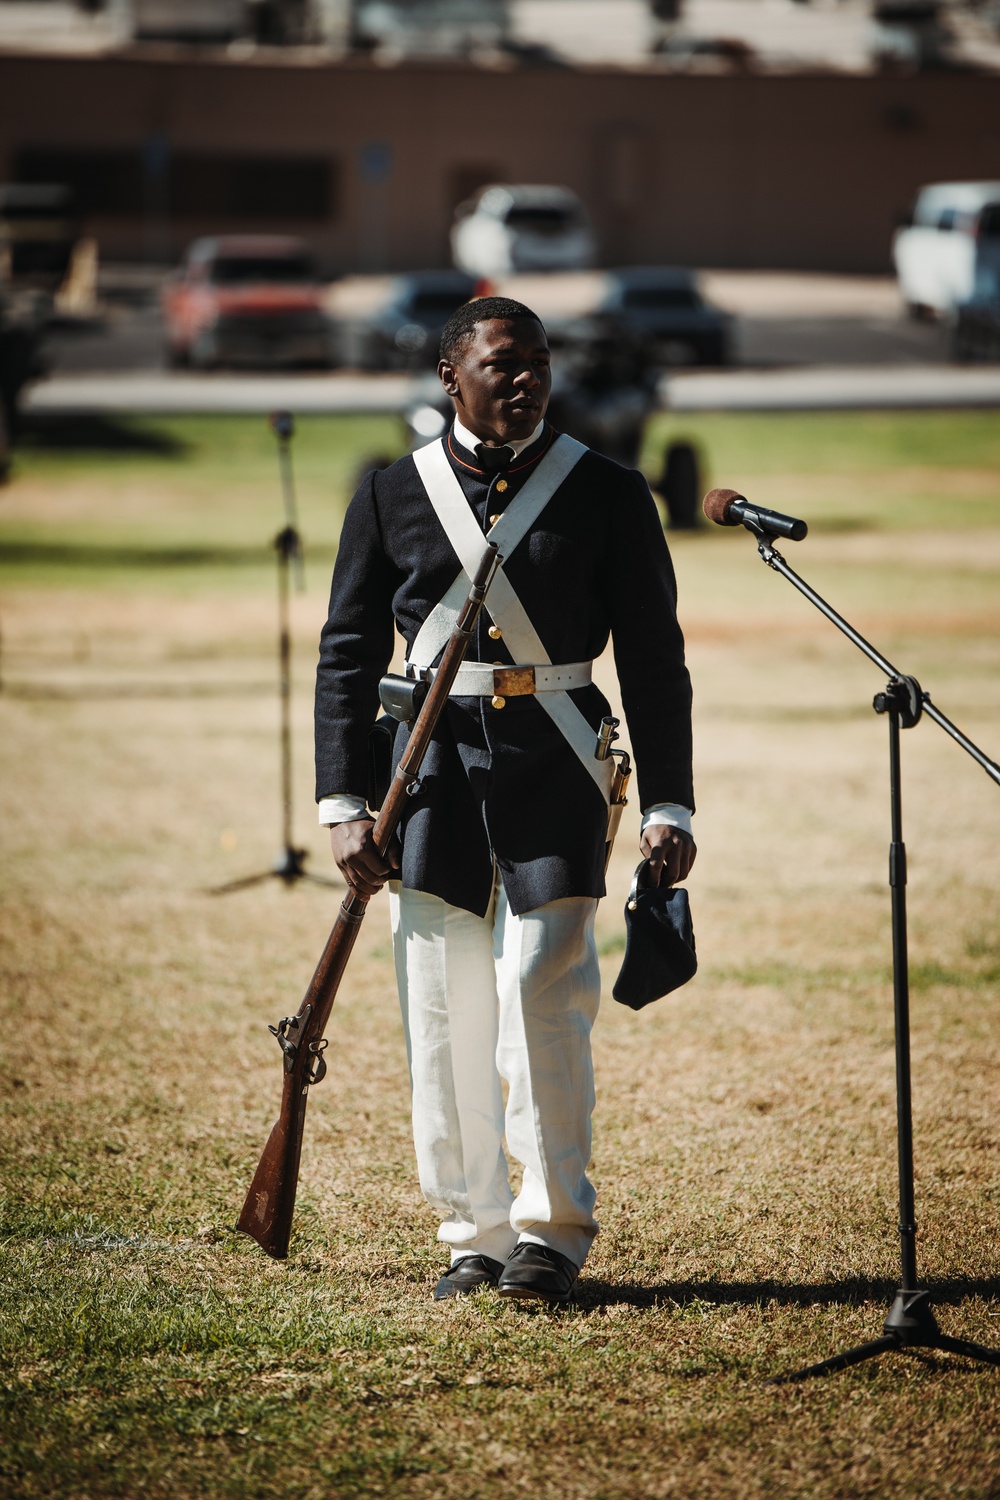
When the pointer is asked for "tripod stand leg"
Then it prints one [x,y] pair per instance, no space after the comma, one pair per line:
[971,1351]
[843,1361]
[289,867]
[239,885]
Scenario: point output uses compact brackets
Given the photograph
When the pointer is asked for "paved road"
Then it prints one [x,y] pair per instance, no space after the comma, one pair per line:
[818,388]
[165,393]
[855,350]
[132,339]
[876,340]
[833,387]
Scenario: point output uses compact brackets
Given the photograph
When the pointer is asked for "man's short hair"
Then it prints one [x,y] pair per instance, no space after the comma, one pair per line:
[462,324]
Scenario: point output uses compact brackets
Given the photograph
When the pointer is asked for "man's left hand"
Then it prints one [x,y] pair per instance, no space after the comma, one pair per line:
[671,853]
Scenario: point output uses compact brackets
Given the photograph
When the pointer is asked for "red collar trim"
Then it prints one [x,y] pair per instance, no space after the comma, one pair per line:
[514,468]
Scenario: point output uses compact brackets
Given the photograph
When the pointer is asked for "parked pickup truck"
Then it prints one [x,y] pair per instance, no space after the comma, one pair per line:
[950,244]
[247,299]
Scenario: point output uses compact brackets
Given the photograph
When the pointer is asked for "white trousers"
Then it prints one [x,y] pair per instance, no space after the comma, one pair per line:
[494,998]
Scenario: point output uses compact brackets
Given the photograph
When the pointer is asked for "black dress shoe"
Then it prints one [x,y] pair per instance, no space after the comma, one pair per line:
[536,1271]
[466,1275]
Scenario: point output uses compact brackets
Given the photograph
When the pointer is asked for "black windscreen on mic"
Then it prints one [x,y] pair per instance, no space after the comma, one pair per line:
[728,508]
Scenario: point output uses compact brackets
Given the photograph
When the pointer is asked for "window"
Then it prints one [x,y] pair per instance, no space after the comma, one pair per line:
[653,299]
[245,187]
[193,184]
[104,182]
[283,270]
[540,220]
[989,222]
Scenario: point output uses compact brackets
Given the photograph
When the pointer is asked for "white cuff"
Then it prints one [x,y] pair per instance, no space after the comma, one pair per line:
[341,809]
[672,813]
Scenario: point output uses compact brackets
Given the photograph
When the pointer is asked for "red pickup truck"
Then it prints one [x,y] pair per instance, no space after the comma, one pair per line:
[247,299]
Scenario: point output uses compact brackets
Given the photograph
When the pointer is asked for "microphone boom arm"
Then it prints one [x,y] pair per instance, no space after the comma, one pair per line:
[770,555]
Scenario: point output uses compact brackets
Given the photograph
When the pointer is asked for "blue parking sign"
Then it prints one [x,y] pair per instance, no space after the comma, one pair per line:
[376,161]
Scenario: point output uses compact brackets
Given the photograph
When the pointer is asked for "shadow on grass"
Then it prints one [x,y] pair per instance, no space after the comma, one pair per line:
[97,556]
[69,433]
[102,556]
[851,1291]
[42,692]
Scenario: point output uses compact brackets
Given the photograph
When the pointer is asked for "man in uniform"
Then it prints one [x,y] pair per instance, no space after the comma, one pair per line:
[495,880]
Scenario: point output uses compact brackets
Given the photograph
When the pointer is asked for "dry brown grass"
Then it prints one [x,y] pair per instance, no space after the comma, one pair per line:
[745,1131]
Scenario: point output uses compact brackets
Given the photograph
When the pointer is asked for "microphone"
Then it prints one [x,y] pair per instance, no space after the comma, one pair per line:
[727,508]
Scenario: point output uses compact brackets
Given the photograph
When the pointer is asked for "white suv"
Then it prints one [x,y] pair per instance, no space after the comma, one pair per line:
[951,243]
[523,228]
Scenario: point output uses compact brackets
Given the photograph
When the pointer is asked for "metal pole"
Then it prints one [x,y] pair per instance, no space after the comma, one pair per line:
[901,997]
[285,657]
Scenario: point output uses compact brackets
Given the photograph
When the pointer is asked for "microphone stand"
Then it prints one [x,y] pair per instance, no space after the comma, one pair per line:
[910,1323]
[290,864]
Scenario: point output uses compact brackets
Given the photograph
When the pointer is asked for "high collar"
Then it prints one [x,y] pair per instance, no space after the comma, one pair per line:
[469,440]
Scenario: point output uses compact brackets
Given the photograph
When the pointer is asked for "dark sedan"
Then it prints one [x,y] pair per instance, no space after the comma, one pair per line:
[404,331]
[660,310]
[975,328]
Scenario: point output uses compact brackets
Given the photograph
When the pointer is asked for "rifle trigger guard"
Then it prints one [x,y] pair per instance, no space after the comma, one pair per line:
[316,1067]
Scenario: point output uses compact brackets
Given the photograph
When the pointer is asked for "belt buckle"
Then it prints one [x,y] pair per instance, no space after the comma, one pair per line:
[513,682]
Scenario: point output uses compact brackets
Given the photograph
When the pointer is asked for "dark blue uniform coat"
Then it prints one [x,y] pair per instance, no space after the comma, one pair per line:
[502,784]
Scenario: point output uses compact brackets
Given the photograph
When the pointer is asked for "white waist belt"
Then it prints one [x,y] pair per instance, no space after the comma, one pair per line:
[481,680]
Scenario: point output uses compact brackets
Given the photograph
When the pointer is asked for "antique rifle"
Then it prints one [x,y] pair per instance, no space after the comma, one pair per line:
[270,1201]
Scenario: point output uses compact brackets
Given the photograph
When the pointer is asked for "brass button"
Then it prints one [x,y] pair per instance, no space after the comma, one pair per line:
[498,663]
[494,520]
[499,702]
[495,633]
[501,486]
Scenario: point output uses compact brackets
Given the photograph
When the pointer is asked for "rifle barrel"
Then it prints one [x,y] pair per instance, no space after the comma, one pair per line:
[269,1206]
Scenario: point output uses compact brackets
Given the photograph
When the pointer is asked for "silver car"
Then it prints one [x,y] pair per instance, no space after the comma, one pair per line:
[522,228]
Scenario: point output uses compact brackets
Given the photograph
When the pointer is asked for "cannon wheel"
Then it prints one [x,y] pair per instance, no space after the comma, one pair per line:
[680,485]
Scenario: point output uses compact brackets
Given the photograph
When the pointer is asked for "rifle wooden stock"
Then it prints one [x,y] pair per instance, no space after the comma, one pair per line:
[270,1202]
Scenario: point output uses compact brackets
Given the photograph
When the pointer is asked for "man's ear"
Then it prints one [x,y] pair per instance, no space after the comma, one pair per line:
[448,376]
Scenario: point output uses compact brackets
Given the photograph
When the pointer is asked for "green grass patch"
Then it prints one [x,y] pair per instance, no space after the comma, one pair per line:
[150,493]
[213,452]
[848,471]
[744,1141]
[839,443]
[160,491]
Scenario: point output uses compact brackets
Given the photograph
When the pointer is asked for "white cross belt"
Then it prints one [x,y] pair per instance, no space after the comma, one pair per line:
[520,636]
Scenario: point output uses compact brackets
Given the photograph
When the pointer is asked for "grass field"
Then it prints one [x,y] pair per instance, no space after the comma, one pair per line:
[745,1128]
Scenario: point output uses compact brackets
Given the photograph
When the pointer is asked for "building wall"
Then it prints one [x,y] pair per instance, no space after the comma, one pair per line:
[766,171]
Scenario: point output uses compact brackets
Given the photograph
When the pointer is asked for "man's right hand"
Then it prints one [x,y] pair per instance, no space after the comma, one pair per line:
[362,866]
